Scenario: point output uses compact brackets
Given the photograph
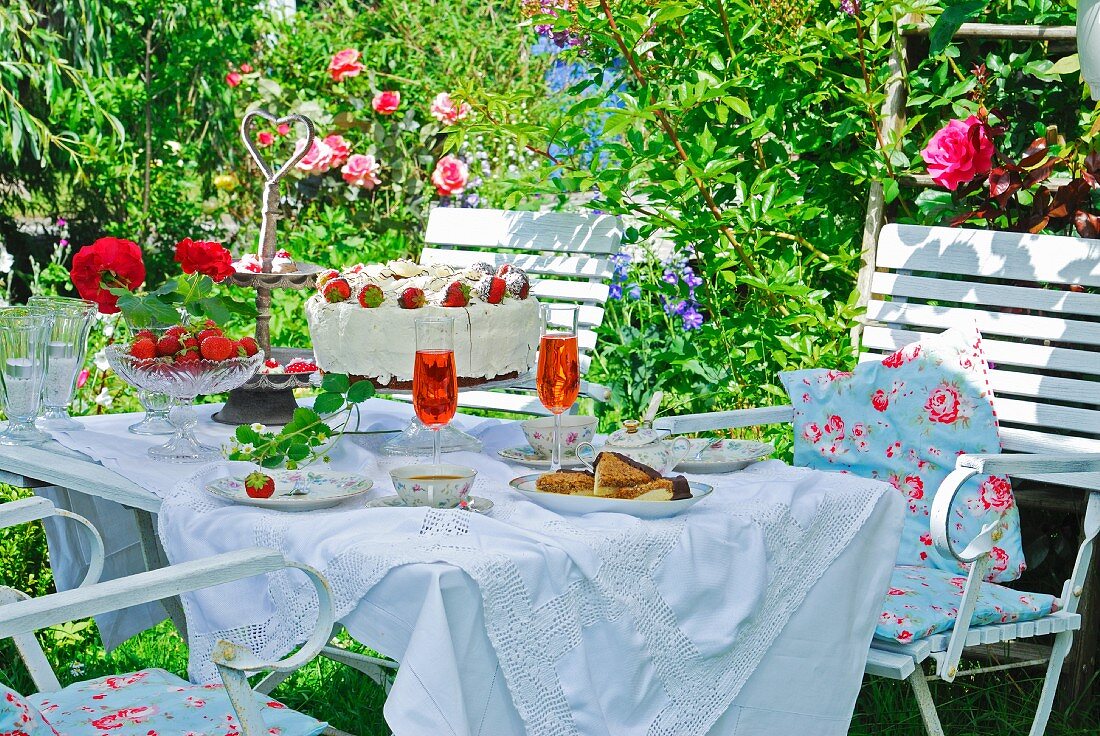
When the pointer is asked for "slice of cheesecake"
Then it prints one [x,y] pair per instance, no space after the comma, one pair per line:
[662,489]
[615,472]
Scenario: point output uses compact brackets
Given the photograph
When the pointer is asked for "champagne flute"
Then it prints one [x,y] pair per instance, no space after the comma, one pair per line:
[558,380]
[435,379]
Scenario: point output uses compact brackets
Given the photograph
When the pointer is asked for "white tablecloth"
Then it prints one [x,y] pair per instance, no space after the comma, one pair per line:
[751,613]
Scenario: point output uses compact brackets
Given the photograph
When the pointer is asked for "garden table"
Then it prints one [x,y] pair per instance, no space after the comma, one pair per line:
[750,613]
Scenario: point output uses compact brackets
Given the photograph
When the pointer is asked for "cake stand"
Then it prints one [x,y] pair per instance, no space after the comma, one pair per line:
[416,439]
[268,398]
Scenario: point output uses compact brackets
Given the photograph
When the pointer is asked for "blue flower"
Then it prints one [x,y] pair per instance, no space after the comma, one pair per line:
[675,308]
[691,279]
[615,291]
[634,291]
[670,277]
[692,319]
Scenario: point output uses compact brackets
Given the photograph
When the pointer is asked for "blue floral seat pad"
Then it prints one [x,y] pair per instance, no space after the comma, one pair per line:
[923,601]
[157,703]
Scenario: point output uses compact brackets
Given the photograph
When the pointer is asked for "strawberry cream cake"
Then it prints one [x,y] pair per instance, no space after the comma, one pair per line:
[362,320]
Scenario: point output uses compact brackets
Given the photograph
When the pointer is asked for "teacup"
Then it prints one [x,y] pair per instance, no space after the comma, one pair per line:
[575,429]
[436,486]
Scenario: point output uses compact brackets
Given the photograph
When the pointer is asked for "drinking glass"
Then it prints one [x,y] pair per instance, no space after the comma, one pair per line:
[155,421]
[435,380]
[24,332]
[65,352]
[559,378]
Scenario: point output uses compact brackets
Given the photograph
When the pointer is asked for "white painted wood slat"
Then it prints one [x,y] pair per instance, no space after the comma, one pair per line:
[1046,415]
[566,232]
[587,267]
[985,294]
[888,664]
[576,292]
[994,633]
[991,254]
[1024,326]
[996,351]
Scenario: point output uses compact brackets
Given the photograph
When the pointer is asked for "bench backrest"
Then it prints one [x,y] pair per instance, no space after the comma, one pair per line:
[565,254]
[1036,300]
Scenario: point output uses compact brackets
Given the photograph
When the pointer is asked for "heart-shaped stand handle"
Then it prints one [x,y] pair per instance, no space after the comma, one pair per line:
[272,176]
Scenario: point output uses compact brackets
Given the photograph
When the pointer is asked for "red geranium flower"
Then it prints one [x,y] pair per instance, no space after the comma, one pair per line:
[205,257]
[107,263]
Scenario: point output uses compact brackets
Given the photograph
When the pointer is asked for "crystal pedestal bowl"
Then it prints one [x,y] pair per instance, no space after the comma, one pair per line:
[183,382]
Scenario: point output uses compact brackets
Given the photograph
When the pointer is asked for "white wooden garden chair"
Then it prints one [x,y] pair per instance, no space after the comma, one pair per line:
[1042,342]
[566,256]
[21,616]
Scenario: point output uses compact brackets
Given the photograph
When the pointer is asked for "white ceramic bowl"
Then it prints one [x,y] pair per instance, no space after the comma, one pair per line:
[437,486]
[575,430]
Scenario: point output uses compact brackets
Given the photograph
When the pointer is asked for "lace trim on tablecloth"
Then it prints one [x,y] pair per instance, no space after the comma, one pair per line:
[529,640]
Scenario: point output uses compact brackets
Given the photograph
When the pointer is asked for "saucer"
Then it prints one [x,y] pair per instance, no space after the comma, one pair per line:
[723,455]
[317,489]
[476,503]
[526,455]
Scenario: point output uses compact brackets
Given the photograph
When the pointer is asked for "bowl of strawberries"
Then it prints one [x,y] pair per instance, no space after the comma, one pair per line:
[184,362]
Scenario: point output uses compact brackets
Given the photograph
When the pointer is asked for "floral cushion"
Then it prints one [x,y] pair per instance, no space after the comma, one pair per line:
[922,602]
[19,718]
[157,703]
[903,420]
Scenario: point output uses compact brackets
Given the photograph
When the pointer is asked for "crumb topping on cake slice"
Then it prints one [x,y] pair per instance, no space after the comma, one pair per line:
[567,482]
[615,472]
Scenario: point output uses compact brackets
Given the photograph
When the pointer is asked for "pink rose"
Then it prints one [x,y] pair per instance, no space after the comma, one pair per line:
[318,160]
[265,139]
[880,400]
[283,128]
[246,68]
[233,79]
[895,591]
[996,493]
[811,433]
[445,111]
[958,152]
[943,404]
[345,64]
[339,148]
[386,103]
[916,487]
[450,176]
[361,171]
[998,561]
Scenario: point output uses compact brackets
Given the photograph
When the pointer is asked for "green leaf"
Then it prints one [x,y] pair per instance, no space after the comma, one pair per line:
[361,391]
[246,435]
[328,403]
[948,23]
[1067,65]
[890,190]
[298,452]
[335,382]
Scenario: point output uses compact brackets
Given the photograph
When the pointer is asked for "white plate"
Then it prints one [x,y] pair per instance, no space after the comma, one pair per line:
[525,455]
[723,455]
[476,503]
[323,488]
[565,504]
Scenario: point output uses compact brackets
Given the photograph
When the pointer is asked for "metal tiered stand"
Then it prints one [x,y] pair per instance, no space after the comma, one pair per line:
[268,398]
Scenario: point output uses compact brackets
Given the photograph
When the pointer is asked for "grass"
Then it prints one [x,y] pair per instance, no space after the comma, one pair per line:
[993,704]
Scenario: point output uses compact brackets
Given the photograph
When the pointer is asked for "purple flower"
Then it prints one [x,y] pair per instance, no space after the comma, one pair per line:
[634,291]
[615,291]
[693,320]
[472,200]
[63,242]
[670,277]
[691,279]
[851,7]
[61,222]
[676,308]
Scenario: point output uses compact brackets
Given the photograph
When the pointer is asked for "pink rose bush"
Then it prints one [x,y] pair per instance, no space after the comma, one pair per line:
[361,170]
[958,152]
[339,150]
[265,139]
[345,64]
[451,176]
[233,79]
[386,103]
[446,111]
[317,160]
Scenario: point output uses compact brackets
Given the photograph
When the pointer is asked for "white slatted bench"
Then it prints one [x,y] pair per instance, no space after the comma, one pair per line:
[565,254]
[1042,338]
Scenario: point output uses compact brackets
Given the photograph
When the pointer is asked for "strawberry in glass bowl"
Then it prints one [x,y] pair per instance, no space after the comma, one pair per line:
[185,362]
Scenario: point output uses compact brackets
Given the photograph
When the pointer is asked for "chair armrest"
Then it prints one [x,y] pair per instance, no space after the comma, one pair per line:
[725,419]
[27,510]
[940,520]
[595,391]
[70,605]
[1078,462]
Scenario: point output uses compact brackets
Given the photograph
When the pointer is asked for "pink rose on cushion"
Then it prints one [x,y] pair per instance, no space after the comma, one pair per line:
[880,400]
[318,160]
[958,152]
[345,64]
[265,139]
[386,103]
[943,404]
[445,111]
[339,148]
[916,487]
[233,79]
[361,170]
[996,493]
[998,562]
[812,432]
[450,176]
